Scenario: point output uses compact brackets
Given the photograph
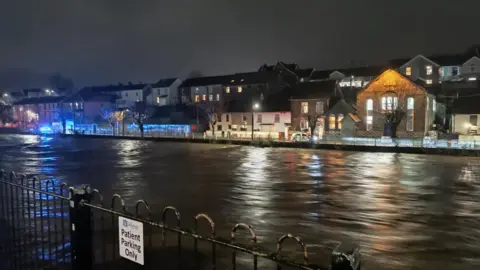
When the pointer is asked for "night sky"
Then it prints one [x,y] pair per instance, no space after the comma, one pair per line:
[105,41]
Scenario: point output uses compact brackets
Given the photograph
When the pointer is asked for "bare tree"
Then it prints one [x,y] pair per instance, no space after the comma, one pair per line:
[140,112]
[312,119]
[6,114]
[214,111]
[109,115]
[392,108]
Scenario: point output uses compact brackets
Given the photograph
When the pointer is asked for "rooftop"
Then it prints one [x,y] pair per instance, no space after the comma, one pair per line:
[39,100]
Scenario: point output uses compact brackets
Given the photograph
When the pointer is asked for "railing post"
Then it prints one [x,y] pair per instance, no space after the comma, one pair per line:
[81,228]
[346,257]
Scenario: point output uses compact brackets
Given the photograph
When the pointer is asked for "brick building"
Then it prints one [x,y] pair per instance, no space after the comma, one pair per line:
[390,92]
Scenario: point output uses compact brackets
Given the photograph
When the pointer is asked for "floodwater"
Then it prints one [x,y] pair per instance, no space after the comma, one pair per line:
[406,211]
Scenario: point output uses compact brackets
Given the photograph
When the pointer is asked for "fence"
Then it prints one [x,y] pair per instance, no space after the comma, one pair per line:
[49,225]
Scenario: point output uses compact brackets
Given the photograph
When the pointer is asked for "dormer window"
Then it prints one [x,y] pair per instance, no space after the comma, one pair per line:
[408,71]
[429,70]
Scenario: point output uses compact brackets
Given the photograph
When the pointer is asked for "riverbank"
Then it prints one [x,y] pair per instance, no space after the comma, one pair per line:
[301,145]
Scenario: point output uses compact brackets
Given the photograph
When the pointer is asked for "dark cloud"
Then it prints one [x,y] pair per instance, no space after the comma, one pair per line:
[121,40]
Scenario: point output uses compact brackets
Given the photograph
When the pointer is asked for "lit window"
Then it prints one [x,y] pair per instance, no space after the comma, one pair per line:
[218,97]
[369,118]
[259,118]
[227,89]
[240,89]
[158,100]
[210,97]
[472,79]
[197,98]
[277,118]
[389,103]
[434,105]
[319,107]
[408,71]
[410,113]
[304,107]
[429,70]
[339,121]
[429,82]
[331,122]
[196,89]
[204,97]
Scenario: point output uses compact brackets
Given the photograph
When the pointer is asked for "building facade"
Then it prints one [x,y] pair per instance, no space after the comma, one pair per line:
[392,93]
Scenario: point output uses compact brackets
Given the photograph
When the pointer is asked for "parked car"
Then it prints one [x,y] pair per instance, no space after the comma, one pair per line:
[300,137]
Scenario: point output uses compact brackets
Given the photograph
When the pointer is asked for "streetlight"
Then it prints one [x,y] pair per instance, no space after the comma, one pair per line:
[255,107]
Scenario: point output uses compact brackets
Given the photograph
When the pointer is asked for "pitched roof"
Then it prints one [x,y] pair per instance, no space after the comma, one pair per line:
[304,72]
[87,94]
[39,100]
[356,71]
[203,81]
[399,74]
[164,83]
[232,79]
[466,105]
[314,90]
[116,88]
[34,90]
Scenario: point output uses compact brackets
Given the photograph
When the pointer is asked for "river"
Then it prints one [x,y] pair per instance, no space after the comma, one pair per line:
[406,211]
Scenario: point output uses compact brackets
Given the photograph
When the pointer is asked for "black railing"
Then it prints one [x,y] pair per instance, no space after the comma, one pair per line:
[49,225]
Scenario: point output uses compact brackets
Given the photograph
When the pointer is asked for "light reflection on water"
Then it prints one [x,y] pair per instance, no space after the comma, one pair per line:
[406,211]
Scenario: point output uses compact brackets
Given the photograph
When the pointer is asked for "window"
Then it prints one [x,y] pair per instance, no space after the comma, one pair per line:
[410,113]
[434,105]
[319,107]
[472,68]
[227,90]
[158,91]
[218,97]
[229,126]
[126,94]
[408,71]
[473,120]
[277,118]
[210,97]
[219,117]
[219,127]
[369,118]
[429,81]
[429,70]
[227,117]
[244,118]
[204,97]
[239,89]
[331,122]
[197,98]
[136,93]
[158,100]
[339,121]
[259,118]
[304,107]
[389,103]
[455,71]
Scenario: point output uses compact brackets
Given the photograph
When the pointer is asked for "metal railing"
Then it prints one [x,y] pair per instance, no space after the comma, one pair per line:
[53,226]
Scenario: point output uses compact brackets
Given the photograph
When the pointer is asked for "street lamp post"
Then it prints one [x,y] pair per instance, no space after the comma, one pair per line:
[255,107]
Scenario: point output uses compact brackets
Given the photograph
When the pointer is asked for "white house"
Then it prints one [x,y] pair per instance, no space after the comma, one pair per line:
[129,94]
[471,69]
[164,92]
[237,125]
